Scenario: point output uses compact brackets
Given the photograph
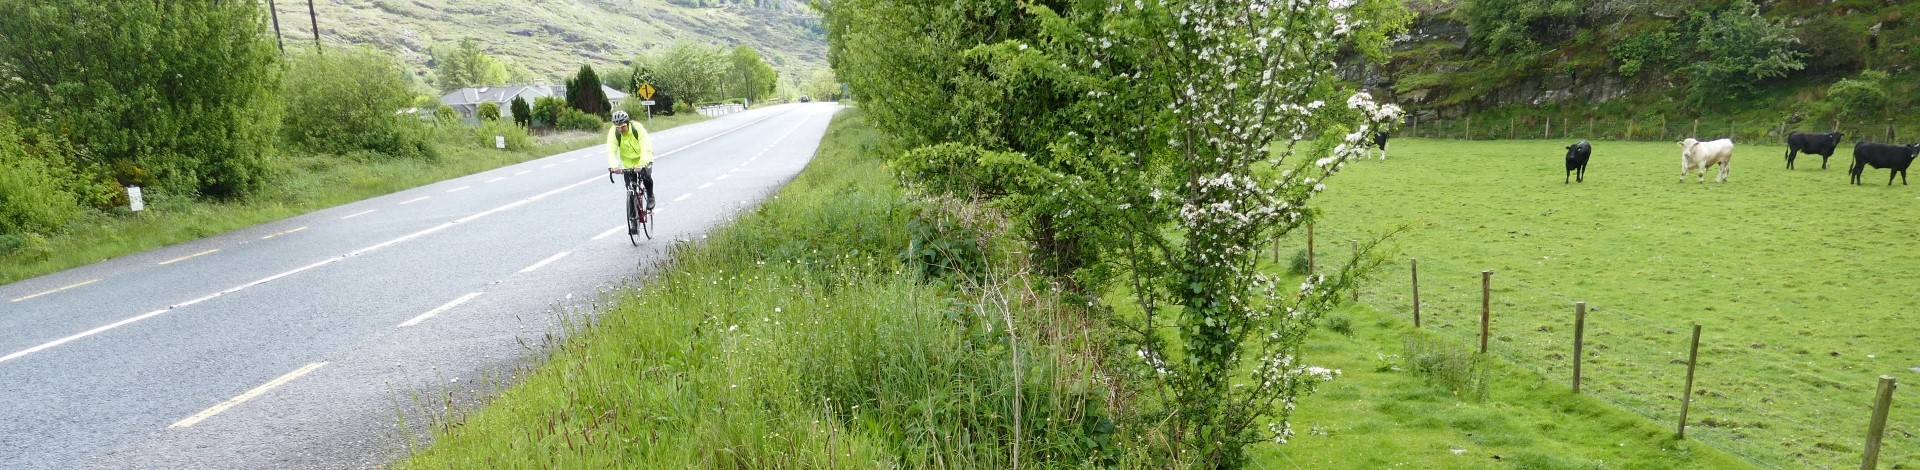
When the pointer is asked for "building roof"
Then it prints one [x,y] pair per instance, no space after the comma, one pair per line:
[506,93]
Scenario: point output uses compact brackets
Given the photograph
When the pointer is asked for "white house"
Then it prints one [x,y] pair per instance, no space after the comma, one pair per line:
[467,100]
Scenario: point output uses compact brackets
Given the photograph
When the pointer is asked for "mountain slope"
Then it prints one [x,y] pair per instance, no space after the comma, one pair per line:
[549,39]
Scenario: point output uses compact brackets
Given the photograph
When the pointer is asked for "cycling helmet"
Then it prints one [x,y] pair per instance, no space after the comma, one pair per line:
[620,117]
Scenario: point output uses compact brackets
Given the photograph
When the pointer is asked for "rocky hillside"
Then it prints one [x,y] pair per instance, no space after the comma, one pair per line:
[548,39]
[1619,56]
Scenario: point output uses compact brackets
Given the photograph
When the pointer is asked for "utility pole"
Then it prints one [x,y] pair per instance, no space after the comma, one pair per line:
[275,13]
[315,18]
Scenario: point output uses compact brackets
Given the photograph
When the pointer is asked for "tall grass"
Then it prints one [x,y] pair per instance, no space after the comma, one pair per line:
[797,338]
[302,183]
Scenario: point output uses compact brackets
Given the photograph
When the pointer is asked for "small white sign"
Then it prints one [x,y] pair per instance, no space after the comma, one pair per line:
[646,103]
[500,141]
[134,199]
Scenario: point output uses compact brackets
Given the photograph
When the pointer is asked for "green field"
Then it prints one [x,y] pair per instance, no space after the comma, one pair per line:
[1802,283]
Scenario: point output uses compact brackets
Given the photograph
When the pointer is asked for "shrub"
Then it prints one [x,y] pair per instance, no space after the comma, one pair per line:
[522,114]
[489,111]
[1298,265]
[516,136]
[37,198]
[584,93]
[445,116]
[1864,96]
[1341,324]
[1448,366]
[344,101]
[576,120]
[546,110]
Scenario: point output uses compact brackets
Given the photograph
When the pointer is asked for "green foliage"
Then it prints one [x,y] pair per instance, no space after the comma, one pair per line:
[1864,96]
[750,77]
[585,94]
[1340,324]
[522,114]
[466,65]
[1737,49]
[577,120]
[488,111]
[343,101]
[690,71]
[181,91]
[1663,47]
[1299,264]
[547,110]
[516,136]
[1448,365]
[824,86]
[1832,46]
[444,115]
[39,196]
[940,249]
[1514,27]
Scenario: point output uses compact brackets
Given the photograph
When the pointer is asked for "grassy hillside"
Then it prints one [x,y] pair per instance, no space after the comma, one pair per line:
[551,38]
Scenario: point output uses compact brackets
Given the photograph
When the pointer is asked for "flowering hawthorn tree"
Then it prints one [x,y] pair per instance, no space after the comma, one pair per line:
[1184,103]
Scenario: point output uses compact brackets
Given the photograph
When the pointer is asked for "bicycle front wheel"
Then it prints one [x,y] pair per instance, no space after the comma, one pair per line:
[634,216]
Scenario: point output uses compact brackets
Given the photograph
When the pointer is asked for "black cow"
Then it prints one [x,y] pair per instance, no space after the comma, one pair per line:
[1892,157]
[1812,144]
[1380,140]
[1577,161]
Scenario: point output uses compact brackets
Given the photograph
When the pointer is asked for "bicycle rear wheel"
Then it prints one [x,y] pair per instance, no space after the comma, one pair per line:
[646,222]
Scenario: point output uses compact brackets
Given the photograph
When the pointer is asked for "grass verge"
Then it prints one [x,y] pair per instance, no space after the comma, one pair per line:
[306,183]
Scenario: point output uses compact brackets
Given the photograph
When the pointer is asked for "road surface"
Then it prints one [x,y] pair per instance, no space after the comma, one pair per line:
[320,341]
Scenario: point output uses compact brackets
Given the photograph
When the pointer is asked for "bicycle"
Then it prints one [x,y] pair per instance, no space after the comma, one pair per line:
[639,217]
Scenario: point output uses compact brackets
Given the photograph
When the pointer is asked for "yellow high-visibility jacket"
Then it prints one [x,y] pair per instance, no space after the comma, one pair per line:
[631,150]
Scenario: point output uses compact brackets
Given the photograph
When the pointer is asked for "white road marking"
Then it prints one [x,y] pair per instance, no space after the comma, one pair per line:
[734,170]
[78,284]
[542,263]
[414,200]
[283,233]
[683,197]
[549,165]
[184,258]
[251,394]
[369,211]
[715,136]
[610,232]
[570,160]
[522,172]
[455,190]
[438,310]
[298,270]
[495,179]
[721,177]
[705,185]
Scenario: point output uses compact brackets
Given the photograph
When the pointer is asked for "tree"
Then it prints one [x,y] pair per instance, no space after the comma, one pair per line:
[1864,96]
[584,93]
[182,93]
[522,114]
[344,101]
[1508,27]
[546,110]
[488,111]
[750,76]
[1737,49]
[1166,142]
[465,65]
[692,72]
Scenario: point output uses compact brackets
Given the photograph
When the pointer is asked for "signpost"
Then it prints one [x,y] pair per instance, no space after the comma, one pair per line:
[646,95]
[134,200]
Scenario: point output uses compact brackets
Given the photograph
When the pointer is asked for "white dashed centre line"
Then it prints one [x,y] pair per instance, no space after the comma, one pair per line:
[184,258]
[283,233]
[550,259]
[570,160]
[77,284]
[522,172]
[721,177]
[705,185]
[683,197]
[610,232]
[251,394]
[455,190]
[369,211]
[495,179]
[549,165]
[438,310]
[414,200]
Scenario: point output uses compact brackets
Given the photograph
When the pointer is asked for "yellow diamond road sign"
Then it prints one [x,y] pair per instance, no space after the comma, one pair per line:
[645,91]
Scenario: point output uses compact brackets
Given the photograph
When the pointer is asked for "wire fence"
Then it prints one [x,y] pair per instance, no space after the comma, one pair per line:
[1650,129]
[1757,398]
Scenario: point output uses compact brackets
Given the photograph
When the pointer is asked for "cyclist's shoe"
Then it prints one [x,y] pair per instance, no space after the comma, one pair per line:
[649,201]
[631,230]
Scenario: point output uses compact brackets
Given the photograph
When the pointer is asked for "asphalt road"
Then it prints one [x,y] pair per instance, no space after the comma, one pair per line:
[324,340]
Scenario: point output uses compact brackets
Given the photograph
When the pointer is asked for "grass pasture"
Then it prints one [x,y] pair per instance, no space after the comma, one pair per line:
[1804,284]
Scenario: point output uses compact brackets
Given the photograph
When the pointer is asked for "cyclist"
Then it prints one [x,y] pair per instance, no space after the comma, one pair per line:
[628,147]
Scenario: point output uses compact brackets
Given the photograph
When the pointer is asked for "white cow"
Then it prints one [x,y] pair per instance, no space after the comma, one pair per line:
[1703,155]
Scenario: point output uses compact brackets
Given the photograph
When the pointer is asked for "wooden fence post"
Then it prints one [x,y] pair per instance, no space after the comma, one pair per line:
[1416,292]
[1355,245]
[1546,128]
[1469,127]
[1630,125]
[1589,125]
[1696,129]
[1566,130]
[1686,397]
[1878,426]
[1310,260]
[1486,306]
[1579,340]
